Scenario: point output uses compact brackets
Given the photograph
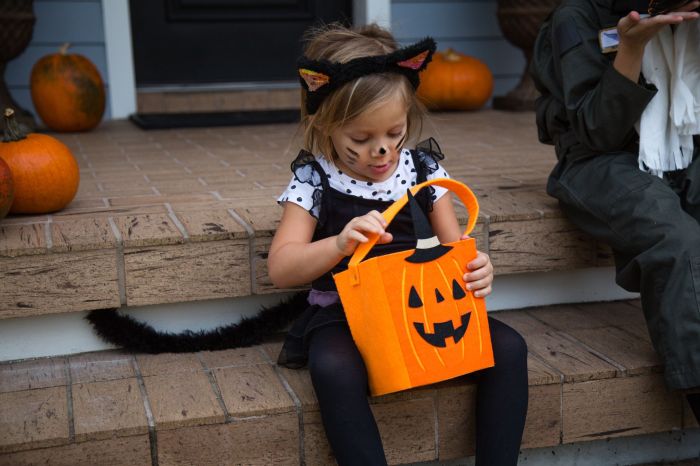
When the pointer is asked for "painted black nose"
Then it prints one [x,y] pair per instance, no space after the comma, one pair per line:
[382,151]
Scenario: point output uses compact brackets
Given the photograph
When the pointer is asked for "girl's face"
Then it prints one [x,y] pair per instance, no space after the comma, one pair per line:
[368,146]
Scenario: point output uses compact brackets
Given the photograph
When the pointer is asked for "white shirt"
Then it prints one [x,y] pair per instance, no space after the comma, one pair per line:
[391,189]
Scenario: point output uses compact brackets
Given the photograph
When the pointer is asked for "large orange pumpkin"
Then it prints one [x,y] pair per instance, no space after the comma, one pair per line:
[7,188]
[453,81]
[45,173]
[67,91]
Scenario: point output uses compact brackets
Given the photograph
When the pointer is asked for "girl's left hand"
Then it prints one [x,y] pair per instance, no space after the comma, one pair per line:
[480,275]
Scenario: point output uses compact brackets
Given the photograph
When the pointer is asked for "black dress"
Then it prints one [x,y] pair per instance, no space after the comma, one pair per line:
[336,210]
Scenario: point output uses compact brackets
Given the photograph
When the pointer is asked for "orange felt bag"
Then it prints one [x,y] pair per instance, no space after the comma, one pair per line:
[410,313]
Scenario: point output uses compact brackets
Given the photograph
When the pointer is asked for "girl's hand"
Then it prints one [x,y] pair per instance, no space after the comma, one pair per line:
[356,230]
[635,32]
[480,275]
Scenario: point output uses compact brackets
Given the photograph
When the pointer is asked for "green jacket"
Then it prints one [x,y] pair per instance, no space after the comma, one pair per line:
[586,107]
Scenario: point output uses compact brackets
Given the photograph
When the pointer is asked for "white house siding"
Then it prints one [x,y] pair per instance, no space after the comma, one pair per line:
[468,26]
[57,22]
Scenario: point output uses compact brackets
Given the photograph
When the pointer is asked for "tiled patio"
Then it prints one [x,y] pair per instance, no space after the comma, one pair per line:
[184,215]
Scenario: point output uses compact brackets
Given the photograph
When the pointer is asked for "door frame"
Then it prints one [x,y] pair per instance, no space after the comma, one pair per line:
[120,63]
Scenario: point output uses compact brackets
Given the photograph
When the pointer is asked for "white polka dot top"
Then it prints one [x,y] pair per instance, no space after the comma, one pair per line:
[302,193]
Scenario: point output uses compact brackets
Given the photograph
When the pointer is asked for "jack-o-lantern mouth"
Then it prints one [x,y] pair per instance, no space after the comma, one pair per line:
[443,331]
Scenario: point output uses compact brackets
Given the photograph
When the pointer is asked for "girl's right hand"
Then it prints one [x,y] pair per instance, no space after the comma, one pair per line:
[635,32]
[357,228]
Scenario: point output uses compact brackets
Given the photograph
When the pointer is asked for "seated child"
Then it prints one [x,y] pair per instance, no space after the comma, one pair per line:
[360,109]
[592,98]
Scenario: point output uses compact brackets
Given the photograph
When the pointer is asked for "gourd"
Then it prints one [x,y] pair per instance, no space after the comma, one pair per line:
[454,81]
[45,173]
[67,91]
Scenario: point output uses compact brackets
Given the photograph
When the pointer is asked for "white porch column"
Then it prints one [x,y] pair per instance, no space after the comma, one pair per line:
[372,11]
[120,63]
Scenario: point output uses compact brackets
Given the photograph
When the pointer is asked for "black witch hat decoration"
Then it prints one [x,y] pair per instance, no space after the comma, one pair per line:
[428,246]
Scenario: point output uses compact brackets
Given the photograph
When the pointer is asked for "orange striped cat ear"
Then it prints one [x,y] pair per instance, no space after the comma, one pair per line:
[313,79]
[415,62]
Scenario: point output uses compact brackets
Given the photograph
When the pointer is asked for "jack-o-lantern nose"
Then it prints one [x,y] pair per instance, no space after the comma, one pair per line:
[438,296]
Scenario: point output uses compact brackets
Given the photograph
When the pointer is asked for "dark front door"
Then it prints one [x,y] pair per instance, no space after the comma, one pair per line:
[180,42]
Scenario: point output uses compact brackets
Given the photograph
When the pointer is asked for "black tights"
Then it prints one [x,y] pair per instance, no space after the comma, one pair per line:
[340,381]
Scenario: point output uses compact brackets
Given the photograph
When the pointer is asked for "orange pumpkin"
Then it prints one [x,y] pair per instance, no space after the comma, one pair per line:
[453,81]
[67,91]
[45,173]
[7,188]
[409,312]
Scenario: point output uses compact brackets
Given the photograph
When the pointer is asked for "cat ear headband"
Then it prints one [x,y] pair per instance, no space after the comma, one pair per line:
[321,77]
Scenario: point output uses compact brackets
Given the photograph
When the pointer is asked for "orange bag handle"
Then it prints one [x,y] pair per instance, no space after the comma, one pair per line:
[463,192]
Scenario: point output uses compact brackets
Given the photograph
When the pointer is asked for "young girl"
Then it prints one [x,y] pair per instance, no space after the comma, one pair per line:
[360,109]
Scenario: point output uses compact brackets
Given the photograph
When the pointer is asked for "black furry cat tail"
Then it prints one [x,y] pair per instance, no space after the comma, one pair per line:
[130,334]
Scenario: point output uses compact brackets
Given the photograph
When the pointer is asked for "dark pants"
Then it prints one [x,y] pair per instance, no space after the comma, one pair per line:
[652,225]
[339,378]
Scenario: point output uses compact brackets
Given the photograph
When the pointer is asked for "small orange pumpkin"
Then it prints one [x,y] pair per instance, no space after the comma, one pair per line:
[454,81]
[7,188]
[67,91]
[45,173]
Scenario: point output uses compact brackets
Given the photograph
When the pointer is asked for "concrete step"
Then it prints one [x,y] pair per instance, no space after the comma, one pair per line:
[593,375]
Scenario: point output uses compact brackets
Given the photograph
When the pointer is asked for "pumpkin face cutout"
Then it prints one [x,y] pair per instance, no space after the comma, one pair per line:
[443,330]
[409,312]
[446,328]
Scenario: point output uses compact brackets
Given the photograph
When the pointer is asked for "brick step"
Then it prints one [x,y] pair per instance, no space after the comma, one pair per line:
[593,375]
[186,215]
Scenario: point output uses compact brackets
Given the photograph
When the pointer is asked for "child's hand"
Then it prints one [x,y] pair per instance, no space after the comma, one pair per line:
[480,275]
[635,32]
[357,228]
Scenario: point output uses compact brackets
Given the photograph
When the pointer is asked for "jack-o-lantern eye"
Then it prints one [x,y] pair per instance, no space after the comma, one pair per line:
[413,298]
[457,291]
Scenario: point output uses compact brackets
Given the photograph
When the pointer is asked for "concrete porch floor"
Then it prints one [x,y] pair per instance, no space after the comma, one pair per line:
[184,215]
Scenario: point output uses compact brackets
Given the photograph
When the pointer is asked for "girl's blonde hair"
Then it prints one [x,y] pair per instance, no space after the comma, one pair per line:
[337,43]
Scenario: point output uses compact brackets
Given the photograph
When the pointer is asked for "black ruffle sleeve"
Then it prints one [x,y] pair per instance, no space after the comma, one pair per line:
[307,170]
